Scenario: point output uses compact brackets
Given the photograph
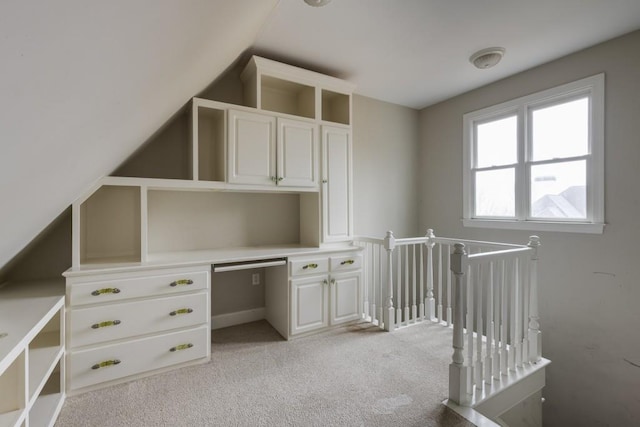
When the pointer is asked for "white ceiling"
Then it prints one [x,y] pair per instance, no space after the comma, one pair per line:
[84,84]
[415,52]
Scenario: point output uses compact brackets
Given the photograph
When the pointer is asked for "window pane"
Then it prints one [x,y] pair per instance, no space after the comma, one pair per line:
[561,130]
[497,142]
[559,190]
[495,193]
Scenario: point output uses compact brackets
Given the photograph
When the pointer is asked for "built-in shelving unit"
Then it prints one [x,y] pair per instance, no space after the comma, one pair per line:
[31,353]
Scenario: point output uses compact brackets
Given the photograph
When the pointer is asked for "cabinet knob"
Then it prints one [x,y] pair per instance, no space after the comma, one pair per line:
[333,281]
[308,266]
[105,324]
[105,364]
[103,291]
[347,262]
[181,311]
[181,347]
[324,282]
[324,181]
[181,282]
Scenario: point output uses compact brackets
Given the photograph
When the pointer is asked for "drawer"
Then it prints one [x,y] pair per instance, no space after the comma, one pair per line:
[307,266]
[346,263]
[128,319]
[123,288]
[106,363]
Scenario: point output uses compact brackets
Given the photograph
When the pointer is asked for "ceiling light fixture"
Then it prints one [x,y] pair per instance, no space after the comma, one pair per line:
[317,3]
[486,58]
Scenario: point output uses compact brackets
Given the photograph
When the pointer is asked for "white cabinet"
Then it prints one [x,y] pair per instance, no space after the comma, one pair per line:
[121,326]
[337,216]
[325,291]
[259,154]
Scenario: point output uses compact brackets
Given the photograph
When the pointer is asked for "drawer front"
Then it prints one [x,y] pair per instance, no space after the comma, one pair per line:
[306,266]
[123,320]
[120,289]
[98,365]
[346,263]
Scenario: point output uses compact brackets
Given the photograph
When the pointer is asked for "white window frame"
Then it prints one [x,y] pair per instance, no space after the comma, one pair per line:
[593,87]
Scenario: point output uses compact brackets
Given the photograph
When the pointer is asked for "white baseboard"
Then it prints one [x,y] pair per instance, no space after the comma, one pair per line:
[238,318]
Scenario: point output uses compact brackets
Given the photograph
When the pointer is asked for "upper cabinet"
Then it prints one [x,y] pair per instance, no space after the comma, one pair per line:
[284,89]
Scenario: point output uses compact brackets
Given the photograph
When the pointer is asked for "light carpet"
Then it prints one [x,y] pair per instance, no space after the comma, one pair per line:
[350,376]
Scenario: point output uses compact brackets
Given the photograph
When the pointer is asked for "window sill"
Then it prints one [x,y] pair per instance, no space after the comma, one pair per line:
[566,227]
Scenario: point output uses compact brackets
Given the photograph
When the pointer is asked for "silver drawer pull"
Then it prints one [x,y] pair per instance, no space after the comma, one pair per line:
[181,282]
[310,266]
[106,363]
[181,311]
[105,324]
[181,347]
[105,291]
[347,262]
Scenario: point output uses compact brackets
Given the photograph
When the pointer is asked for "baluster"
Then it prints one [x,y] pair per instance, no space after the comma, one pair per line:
[513,326]
[399,288]
[470,286]
[440,296]
[421,314]
[430,302]
[525,308]
[479,329]
[374,283]
[449,314]
[496,320]
[458,372]
[381,285]
[389,244]
[535,337]
[414,268]
[406,285]
[503,320]
[488,360]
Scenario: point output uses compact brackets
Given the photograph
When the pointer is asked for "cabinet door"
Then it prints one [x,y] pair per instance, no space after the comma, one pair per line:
[336,188]
[345,297]
[297,153]
[309,304]
[252,148]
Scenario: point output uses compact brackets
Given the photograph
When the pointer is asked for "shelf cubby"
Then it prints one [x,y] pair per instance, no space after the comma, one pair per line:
[210,140]
[111,225]
[44,353]
[288,97]
[12,390]
[336,107]
[47,405]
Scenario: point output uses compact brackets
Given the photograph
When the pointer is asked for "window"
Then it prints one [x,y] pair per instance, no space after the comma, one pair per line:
[537,162]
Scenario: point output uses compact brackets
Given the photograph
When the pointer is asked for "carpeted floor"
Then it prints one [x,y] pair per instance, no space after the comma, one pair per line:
[351,376]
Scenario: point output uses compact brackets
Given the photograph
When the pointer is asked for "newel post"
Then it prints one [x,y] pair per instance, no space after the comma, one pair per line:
[535,337]
[430,302]
[389,311]
[458,391]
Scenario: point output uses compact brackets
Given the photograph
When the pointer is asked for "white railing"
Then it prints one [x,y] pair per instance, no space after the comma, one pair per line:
[486,291]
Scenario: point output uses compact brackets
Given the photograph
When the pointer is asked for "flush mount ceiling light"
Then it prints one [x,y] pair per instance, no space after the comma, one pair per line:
[486,58]
[317,3]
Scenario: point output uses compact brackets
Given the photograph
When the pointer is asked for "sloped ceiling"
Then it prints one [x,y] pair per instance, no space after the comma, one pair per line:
[84,83]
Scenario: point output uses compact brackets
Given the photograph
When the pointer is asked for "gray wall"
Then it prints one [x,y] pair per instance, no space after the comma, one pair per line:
[385,168]
[589,289]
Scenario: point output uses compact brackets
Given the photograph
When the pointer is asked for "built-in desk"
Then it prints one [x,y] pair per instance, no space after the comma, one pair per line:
[129,320]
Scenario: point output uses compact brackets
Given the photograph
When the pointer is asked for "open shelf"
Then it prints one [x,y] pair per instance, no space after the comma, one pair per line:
[44,353]
[47,406]
[111,225]
[12,390]
[283,96]
[335,107]
[210,143]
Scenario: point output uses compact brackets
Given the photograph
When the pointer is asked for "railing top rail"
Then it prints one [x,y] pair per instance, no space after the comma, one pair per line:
[411,241]
[448,240]
[498,255]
